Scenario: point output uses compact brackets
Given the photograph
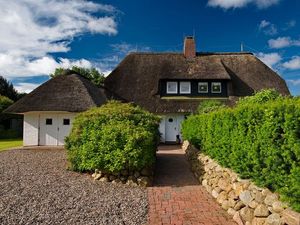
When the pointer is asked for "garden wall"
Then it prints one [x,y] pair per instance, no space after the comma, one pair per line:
[244,201]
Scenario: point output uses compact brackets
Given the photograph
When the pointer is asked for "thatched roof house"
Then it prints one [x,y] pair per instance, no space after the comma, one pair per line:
[173,84]
[50,109]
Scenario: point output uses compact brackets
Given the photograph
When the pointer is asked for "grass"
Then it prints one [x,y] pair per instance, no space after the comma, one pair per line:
[10,143]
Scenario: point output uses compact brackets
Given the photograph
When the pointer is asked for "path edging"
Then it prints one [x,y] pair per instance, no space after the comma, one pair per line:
[244,201]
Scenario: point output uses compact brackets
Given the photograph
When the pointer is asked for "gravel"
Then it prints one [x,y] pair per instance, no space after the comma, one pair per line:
[36,188]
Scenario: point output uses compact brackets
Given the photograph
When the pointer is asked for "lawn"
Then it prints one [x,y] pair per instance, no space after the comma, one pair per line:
[10,143]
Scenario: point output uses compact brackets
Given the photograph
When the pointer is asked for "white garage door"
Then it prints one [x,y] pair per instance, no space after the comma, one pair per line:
[54,128]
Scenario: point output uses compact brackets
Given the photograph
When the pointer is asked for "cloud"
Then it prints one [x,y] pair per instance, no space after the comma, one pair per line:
[270,59]
[267,28]
[289,25]
[31,30]
[295,82]
[293,64]
[228,4]
[283,42]
[25,87]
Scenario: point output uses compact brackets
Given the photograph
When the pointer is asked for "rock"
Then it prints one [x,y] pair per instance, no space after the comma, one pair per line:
[239,205]
[258,221]
[270,199]
[204,182]
[231,211]
[261,211]
[136,174]
[146,172]
[290,217]
[231,202]
[247,223]
[278,207]
[224,185]
[233,195]
[214,193]
[238,188]
[130,182]
[226,205]
[97,176]
[246,214]
[123,179]
[116,181]
[259,197]
[111,177]
[144,181]
[222,197]
[273,219]
[253,204]
[238,219]
[124,172]
[104,179]
[266,192]
[246,197]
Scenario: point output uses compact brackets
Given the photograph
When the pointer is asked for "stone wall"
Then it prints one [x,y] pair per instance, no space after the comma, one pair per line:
[247,203]
[141,178]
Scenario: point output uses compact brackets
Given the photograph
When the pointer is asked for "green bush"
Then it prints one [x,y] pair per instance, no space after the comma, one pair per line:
[208,106]
[258,141]
[113,137]
[4,102]
[260,97]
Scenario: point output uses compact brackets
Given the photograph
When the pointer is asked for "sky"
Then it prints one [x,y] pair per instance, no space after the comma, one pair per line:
[39,36]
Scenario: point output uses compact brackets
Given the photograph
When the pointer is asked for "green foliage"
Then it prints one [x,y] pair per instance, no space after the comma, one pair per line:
[258,141]
[261,97]
[91,74]
[113,137]
[4,102]
[208,106]
[8,90]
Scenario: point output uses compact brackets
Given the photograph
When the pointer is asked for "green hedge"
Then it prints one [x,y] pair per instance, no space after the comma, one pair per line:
[258,141]
[112,138]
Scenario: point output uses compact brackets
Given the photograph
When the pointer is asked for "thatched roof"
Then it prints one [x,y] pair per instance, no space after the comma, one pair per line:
[137,77]
[71,93]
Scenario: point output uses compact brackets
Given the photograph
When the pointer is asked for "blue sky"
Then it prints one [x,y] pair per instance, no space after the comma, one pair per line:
[37,36]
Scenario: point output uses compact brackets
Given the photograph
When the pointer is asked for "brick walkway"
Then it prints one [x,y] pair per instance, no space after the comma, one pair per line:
[177,197]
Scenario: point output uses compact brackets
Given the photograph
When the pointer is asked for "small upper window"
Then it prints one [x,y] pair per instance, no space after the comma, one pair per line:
[48,121]
[66,122]
[216,87]
[172,87]
[203,87]
[185,87]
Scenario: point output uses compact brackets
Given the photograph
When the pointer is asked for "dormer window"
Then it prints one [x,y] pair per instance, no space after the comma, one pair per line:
[203,87]
[172,87]
[185,87]
[216,87]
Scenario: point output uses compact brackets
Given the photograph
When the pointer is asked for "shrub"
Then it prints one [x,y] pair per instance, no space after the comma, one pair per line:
[112,138]
[4,102]
[208,106]
[260,97]
[258,141]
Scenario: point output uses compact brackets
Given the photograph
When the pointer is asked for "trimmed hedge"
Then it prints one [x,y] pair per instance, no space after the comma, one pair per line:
[112,138]
[258,141]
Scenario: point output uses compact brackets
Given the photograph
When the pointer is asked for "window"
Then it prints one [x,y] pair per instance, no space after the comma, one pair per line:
[185,87]
[203,87]
[48,121]
[66,122]
[172,87]
[170,120]
[216,87]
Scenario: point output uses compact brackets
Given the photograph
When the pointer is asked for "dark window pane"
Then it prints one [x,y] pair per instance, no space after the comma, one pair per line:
[48,121]
[170,120]
[66,122]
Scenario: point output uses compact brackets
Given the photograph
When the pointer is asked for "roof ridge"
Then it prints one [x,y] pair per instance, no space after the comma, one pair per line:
[197,53]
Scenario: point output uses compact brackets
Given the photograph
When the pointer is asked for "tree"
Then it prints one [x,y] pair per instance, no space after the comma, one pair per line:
[4,102]
[91,74]
[8,90]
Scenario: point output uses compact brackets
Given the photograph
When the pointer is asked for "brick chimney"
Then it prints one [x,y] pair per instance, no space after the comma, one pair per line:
[189,47]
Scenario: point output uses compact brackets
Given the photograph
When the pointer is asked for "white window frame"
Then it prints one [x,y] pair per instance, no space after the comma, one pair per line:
[216,83]
[185,92]
[202,83]
[172,92]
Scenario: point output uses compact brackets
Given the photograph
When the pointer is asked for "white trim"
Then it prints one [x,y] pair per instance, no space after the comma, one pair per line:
[185,92]
[202,83]
[172,92]
[216,83]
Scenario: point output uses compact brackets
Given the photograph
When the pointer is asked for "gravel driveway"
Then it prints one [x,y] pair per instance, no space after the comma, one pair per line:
[36,188]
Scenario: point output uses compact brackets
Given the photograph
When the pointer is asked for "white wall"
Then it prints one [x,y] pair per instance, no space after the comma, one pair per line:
[31,129]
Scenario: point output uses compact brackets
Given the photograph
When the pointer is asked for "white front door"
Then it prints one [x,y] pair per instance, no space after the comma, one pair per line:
[48,129]
[64,127]
[171,128]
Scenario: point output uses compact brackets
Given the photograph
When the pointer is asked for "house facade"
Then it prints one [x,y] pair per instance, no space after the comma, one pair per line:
[171,85]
